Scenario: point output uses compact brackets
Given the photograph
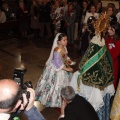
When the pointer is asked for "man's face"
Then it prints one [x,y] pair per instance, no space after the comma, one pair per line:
[109,11]
[85,5]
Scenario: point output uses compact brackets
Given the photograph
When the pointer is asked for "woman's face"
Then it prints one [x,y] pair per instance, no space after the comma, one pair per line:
[92,9]
[63,41]
[57,4]
[39,2]
[109,11]
[21,4]
[70,7]
[34,2]
[98,5]
[111,31]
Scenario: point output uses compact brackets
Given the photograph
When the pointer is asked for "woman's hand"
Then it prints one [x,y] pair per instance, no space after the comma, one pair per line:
[70,69]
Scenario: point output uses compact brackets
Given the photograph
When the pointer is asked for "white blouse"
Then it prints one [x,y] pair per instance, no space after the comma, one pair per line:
[118,17]
[96,15]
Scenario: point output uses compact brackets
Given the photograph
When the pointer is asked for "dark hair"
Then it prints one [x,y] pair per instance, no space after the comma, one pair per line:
[115,26]
[76,1]
[99,2]
[11,102]
[111,4]
[61,36]
[91,7]
[70,4]
[113,9]
[85,1]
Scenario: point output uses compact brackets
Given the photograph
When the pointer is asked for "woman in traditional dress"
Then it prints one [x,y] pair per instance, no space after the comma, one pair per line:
[56,74]
[94,81]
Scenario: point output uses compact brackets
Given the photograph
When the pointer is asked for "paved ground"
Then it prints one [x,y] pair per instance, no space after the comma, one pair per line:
[32,54]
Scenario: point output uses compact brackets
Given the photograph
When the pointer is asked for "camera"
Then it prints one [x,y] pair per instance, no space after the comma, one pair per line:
[90,27]
[27,84]
[18,77]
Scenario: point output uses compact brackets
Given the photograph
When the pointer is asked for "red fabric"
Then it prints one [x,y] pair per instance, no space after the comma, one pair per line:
[69,12]
[115,52]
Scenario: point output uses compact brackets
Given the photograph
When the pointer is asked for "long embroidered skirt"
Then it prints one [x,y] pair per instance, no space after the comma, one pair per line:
[48,89]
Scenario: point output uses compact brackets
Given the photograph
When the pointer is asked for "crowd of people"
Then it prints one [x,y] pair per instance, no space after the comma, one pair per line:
[85,94]
[54,16]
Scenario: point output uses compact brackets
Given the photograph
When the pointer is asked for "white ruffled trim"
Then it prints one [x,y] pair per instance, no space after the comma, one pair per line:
[92,94]
[97,40]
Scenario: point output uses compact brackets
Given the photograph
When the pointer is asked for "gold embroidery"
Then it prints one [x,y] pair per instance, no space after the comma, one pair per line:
[106,73]
[100,73]
[102,23]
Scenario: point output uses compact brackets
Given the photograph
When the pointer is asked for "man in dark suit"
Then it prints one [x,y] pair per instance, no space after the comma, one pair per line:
[10,102]
[75,107]
[44,18]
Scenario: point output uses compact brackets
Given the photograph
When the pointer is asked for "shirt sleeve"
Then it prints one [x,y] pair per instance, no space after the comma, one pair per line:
[34,114]
[57,61]
[86,18]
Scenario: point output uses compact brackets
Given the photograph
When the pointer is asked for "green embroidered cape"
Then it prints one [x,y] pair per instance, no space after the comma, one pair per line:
[96,67]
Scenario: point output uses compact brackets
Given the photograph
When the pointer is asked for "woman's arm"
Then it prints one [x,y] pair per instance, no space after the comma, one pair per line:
[58,62]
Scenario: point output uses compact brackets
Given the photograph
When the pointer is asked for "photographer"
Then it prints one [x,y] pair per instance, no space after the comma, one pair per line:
[75,107]
[87,33]
[10,102]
